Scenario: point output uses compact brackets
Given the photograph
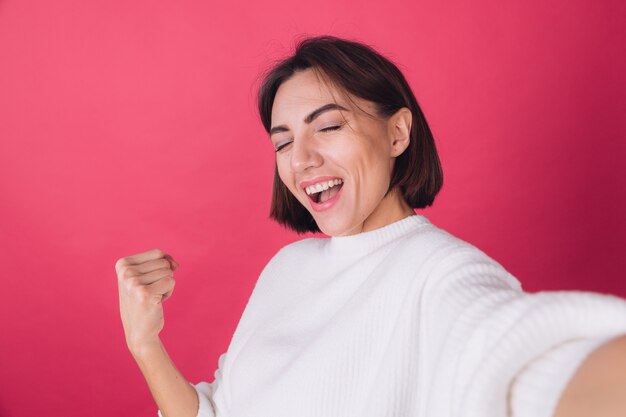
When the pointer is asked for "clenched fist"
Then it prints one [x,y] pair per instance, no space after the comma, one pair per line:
[144,281]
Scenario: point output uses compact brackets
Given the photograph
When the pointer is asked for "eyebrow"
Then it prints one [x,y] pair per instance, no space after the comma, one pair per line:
[312,116]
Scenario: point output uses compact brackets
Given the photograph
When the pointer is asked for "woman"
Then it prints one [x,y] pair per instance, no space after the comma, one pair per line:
[391,315]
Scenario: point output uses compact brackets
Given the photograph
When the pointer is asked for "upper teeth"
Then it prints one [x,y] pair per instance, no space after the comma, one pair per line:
[321,186]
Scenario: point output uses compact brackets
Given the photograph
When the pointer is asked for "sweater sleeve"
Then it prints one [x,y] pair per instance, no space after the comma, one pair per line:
[537,388]
[205,390]
[484,330]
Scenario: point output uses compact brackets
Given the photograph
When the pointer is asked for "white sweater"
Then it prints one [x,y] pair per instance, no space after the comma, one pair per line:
[402,321]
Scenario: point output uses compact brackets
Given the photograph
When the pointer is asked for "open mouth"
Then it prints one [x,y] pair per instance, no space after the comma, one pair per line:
[322,196]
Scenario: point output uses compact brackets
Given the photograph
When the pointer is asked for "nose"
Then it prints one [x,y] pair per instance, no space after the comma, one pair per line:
[304,154]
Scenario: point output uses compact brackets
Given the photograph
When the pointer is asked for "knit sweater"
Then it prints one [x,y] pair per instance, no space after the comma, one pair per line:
[405,320]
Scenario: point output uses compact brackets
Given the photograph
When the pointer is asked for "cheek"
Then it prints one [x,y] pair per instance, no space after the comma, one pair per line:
[282,169]
[363,160]
[285,175]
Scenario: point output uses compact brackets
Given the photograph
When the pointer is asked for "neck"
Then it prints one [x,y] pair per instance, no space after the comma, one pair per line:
[391,209]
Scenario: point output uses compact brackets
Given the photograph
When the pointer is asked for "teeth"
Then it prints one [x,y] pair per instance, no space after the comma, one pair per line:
[321,186]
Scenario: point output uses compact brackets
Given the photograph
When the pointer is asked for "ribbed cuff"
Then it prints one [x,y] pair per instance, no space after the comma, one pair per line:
[521,330]
[537,389]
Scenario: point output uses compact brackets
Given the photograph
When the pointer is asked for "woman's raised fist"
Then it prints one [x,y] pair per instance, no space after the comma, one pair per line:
[144,281]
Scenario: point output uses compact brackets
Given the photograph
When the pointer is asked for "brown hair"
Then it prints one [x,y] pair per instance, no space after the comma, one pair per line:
[361,71]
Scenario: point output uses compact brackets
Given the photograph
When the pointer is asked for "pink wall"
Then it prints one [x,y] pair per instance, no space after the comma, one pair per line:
[126,126]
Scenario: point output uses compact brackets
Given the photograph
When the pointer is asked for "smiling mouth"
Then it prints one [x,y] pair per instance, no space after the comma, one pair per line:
[324,195]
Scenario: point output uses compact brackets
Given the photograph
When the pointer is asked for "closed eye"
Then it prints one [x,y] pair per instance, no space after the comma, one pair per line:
[330,128]
[326,129]
[282,146]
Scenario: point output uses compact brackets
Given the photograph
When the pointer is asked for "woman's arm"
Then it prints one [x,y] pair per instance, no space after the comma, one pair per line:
[598,388]
[145,281]
[173,394]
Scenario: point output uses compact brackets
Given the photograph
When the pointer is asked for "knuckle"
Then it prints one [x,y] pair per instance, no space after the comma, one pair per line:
[133,283]
[120,272]
[159,253]
[120,263]
[144,294]
[127,271]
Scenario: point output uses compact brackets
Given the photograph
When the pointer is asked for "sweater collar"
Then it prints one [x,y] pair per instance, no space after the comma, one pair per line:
[373,239]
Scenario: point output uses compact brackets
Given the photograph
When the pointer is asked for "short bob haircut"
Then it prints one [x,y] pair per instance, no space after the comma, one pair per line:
[357,69]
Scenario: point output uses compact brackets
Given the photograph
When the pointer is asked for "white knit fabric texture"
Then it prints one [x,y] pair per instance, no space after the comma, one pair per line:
[535,391]
[402,321]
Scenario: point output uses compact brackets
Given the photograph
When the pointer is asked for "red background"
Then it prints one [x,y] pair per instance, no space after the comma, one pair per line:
[126,126]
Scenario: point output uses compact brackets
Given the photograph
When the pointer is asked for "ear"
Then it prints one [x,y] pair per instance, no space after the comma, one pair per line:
[399,130]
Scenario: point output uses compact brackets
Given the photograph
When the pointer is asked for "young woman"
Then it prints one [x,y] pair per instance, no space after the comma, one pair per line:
[391,315]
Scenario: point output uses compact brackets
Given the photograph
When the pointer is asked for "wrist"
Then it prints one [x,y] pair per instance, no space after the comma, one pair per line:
[143,348]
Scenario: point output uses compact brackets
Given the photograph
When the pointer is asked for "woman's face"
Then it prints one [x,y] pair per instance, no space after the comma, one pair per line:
[353,158]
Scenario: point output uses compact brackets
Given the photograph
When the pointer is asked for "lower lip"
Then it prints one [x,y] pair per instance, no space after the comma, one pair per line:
[326,204]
